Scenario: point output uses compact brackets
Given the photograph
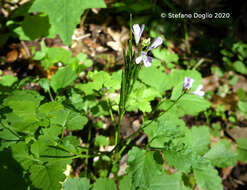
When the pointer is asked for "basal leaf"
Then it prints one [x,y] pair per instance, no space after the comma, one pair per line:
[27,32]
[77,184]
[187,105]
[63,78]
[206,176]
[76,121]
[20,154]
[65,15]
[143,166]
[155,78]
[126,183]
[198,139]
[104,184]
[8,80]
[221,154]
[48,176]
[242,149]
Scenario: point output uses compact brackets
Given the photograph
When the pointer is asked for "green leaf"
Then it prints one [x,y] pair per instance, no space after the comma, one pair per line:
[206,176]
[43,29]
[104,184]
[77,184]
[242,149]
[221,154]
[242,105]
[7,138]
[155,78]
[126,183]
[8,80]
[24,104]
[181,160]
[188,104]
[65,15]
[166,130]
[198,139]
[143,166]
[48,176]
[20,154]
[76,121]
[55,55]
[240,67]
[63,78]
[141,97]
[101,141]
[165,55]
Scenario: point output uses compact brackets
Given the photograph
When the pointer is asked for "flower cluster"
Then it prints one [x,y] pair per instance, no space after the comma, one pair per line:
[147,60]
[188,84]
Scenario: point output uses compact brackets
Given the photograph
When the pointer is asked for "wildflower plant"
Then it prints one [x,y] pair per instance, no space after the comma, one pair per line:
[36,131]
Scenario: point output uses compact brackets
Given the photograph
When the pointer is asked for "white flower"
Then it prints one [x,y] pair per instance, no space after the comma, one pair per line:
[199,91]
[137,31]
[147,60]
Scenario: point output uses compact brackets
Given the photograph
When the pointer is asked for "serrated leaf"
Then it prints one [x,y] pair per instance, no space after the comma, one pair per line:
[76,121]
[126,183]
[104,184]
[7,138]
[8,80]
[181,160]
[101,141]
[206,176]
[165,55]
[55,55]
[155,78]
[48,176]
[221,154]
[242,149]
[63,78]
[240,67]
[23,104]
[77,184]
[198,139]
[20,154]
[164,130]
[65,15]
[187,105]
[141,97]
[27,32]
[143,167]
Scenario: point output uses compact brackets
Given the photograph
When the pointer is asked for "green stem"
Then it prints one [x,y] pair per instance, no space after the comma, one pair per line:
[110,111]
[187,43]
[51,97]
[87,151]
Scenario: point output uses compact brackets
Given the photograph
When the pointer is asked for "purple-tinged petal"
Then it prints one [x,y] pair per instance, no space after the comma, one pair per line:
[143,53]
[137,31]
[188,82]
[199,91]
[139,59]
[147,60]
[157,42]
[142,29]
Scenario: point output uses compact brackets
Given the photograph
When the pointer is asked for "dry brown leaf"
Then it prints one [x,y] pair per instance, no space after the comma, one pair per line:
[238,132]
[119,38]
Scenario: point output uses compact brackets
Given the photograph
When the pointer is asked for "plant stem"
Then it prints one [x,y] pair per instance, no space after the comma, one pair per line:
[87,151]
